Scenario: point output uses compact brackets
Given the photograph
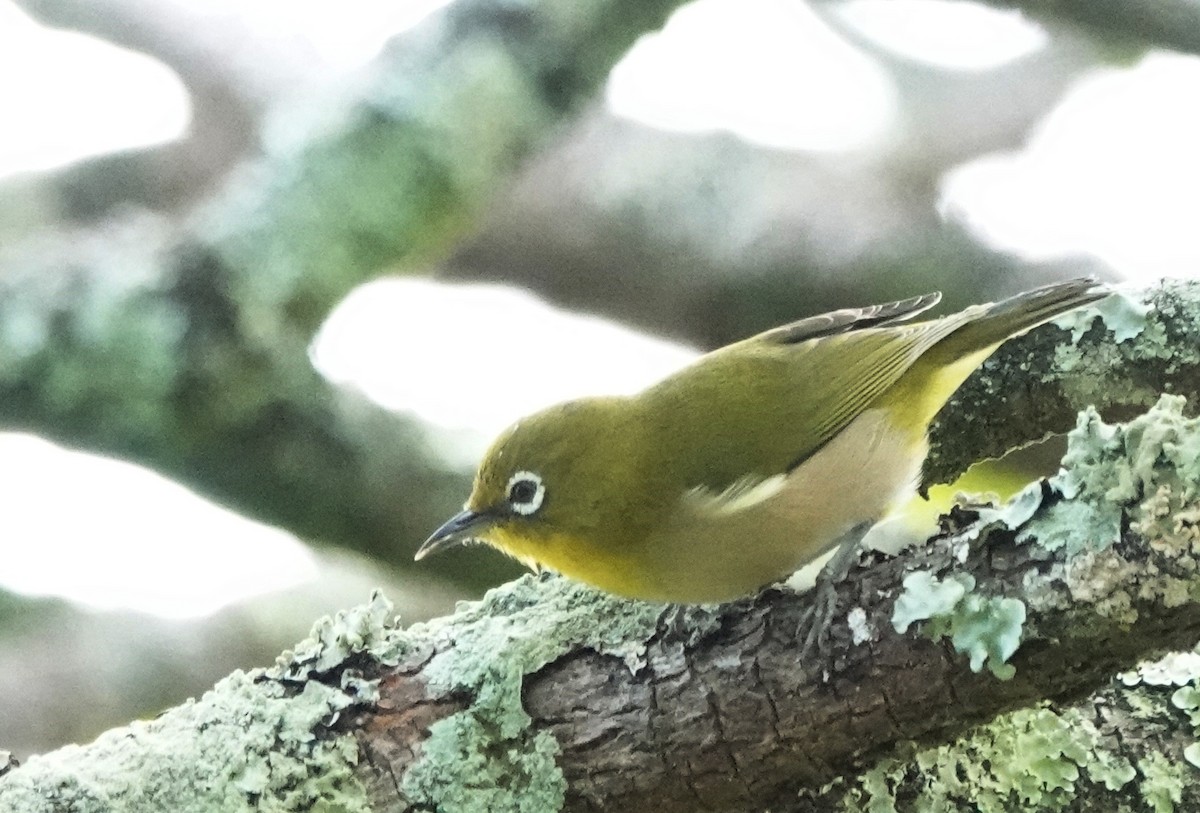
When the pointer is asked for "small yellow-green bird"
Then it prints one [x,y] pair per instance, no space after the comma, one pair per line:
[746,465]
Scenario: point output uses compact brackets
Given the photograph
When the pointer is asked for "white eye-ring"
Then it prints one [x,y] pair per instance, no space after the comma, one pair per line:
[525,492]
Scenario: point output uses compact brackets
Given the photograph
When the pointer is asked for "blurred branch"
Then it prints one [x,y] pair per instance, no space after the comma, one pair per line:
[710,238]
[186,349]
[210,52]
[231,73]
[947,116]
[1173,24]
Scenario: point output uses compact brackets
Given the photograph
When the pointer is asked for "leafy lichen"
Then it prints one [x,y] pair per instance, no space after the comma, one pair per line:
[484,758]
[1164,775]
[258,741]
[1029,758]
[1124,315]
[1151,461]
[1162,782]
[986,628]
[1146,470]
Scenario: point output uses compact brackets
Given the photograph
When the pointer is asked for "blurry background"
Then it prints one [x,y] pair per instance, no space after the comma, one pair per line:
[272,274]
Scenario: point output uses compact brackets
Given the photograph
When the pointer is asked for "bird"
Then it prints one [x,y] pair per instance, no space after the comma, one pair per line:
[753,461]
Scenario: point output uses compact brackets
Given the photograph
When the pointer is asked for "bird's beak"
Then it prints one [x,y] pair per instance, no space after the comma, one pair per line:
[458,529]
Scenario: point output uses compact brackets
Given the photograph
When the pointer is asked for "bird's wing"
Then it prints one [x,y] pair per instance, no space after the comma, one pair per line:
[772,401]
[857,368]
[841,321]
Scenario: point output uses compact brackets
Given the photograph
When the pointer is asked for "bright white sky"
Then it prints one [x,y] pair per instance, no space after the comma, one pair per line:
[1113,172]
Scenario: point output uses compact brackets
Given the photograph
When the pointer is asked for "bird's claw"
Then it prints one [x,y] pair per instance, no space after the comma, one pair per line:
[816,619]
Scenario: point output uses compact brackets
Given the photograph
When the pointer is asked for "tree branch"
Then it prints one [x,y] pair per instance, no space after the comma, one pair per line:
[550,695]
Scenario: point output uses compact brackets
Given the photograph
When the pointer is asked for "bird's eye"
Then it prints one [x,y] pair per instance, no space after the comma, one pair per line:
[525,492]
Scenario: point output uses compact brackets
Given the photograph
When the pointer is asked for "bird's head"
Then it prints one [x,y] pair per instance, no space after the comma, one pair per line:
[546,483]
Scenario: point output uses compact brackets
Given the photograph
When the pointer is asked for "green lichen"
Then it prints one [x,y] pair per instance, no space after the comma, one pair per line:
[462,773]
[1187,699]
[985,628]
[246,745]
[1010,515]
[1174,305]
[484,758]
[1162,782]
[1091,372]
[877,795]
[1121,313]
[1149,466]
[1173,669]
[1192,754]
[1029,758]
[368,628]
[1145,472]
[1164,777]
[258,741]
[926,597]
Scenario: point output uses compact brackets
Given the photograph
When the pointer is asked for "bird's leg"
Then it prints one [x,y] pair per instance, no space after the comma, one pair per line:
[814,621]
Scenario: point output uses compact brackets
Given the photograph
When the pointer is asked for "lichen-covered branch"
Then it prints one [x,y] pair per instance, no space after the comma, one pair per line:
[1132,745]
[186,348]
[548,695]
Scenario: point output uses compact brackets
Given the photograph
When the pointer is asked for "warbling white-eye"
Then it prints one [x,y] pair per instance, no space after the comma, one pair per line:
[746,465]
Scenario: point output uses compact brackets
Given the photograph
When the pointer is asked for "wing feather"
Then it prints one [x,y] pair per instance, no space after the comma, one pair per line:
[846,319]
[773,400]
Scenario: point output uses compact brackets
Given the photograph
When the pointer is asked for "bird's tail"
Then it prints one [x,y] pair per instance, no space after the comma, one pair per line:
[986,326]
[970,336]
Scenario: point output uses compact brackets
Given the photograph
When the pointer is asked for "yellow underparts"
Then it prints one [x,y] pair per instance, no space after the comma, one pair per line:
[921,392]
[574,558]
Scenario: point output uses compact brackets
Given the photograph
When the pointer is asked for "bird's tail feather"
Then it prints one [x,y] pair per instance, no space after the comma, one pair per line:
[1025,311]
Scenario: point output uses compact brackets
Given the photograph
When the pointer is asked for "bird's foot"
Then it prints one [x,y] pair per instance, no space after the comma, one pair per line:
[815,620]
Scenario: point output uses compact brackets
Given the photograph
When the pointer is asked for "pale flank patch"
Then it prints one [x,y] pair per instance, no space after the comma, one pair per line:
[746,493]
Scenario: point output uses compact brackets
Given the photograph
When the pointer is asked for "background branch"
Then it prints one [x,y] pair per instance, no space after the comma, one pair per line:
[1173,24]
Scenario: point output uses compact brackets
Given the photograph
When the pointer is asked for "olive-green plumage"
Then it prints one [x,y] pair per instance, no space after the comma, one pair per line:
[747,464]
